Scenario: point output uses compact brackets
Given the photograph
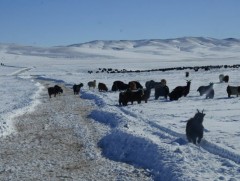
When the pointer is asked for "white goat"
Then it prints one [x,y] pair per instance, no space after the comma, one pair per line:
[92,84]
[221,76]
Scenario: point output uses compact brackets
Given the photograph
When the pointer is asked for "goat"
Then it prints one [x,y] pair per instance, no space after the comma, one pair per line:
[233,90]
[161,90]
[205,89]
[130,96]
[146,94]
[226,78]
[221,76]
[210,94]
[76,88]
[54,90]
[180,91]
[92,84]
[102,87]
[132,85]
[119,85]
[151,84]
[194,128]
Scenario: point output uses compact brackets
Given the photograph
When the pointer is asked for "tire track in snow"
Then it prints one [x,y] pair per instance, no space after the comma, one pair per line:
[20,71]
[206,145]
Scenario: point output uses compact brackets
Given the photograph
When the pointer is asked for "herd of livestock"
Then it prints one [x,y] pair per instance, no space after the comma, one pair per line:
[134,91]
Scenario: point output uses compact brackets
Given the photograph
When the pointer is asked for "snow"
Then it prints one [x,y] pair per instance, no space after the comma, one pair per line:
[147,135]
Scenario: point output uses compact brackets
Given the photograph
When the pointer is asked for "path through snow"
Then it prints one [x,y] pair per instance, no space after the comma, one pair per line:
[58,142]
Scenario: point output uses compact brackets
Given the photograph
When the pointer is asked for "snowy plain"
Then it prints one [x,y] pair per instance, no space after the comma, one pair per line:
[147,135]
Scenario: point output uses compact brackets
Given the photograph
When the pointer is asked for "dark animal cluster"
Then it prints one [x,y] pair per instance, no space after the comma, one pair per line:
[130,96]
[195,68]
[121,86]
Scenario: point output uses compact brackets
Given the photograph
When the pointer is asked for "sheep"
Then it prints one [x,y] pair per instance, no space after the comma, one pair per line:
[76,88]
[194,128]
[102,87]
[233,90]
[205,89]
[92,84]
[130,96]
[180,91]
[54,90]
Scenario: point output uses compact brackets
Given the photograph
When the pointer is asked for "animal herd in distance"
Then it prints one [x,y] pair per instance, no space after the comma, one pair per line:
[134,91]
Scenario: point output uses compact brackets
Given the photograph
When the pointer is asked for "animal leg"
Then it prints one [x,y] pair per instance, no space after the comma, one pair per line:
[194,140]
[189,139]
[199,140]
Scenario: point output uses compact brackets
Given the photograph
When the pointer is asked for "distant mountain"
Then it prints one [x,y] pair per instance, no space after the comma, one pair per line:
[199,46]
[186,41]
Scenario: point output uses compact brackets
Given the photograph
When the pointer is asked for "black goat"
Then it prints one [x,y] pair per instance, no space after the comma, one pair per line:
[194,128]
[226,78]
[54,90]
[233,90]
[180,91]
[161,90]
[102,87]
[119,85]
[76,88]
[146,94]
[130,96]
[151,84]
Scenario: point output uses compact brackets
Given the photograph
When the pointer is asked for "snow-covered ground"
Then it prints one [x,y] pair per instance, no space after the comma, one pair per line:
[147,135]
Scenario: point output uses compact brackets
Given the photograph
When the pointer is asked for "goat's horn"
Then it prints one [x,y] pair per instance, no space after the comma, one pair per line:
[202,110]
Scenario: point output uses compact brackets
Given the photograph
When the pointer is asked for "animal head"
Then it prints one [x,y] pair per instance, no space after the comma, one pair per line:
[211,84]
[188,81]
[163,82]
[199,116]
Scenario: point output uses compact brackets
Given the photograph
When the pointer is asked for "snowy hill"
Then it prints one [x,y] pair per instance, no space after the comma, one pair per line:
[201,46]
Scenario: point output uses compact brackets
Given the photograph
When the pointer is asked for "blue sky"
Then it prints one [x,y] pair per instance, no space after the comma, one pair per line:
[64,22]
